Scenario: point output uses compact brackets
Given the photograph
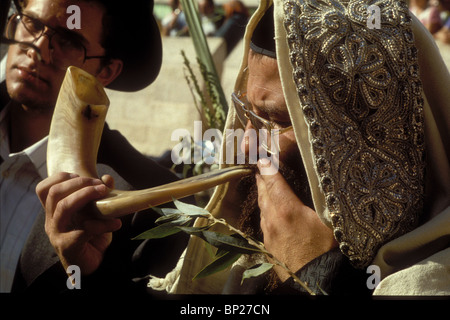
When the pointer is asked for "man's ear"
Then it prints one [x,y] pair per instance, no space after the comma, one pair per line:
[110,72]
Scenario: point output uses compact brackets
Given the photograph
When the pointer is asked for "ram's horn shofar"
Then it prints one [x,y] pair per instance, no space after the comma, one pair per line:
[74,139]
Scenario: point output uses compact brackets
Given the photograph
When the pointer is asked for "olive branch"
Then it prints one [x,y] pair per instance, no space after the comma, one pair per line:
[230,247]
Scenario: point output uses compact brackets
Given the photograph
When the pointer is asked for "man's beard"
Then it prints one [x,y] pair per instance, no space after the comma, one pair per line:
[293,172]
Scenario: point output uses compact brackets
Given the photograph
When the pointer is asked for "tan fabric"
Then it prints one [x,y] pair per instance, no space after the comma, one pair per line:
[426,278]
[415,263]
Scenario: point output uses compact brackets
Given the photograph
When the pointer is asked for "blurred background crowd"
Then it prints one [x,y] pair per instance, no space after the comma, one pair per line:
[228,18]
[435,16]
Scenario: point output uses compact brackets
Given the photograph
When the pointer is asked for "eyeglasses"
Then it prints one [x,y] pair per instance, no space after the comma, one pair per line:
[245,114]
[66,48]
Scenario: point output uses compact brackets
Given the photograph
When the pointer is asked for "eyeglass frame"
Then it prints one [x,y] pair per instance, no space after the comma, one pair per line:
[267,124]
[236,98]
[42,32]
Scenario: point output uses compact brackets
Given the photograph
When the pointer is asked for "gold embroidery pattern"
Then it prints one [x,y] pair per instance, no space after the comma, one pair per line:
[360,92]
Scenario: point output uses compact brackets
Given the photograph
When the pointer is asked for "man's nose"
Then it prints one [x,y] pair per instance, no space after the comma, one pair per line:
[43,44]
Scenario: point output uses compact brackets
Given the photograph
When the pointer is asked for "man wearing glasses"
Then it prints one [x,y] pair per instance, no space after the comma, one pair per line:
[118,44]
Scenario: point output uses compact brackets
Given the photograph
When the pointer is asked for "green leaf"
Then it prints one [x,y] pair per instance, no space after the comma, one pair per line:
[219,252]
[158,210]
[168,211]
[256,271]
[165,211]
[194,230]
[210,249]
[233,243]
[190,209]
[158,232]
[219,264]
[168,218]
[166,229]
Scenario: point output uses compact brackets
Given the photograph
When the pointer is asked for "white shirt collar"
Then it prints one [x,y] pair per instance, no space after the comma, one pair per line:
[36,152]
[38,156]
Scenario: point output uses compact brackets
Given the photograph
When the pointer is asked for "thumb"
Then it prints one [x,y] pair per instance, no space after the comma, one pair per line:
[108,181]
[274,186]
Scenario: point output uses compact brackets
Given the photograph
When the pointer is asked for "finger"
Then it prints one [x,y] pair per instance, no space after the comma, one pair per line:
[262,191]
[269,180]
[270,188]
[61,190]
[44,186]
[63,218]
[98,232]
[276,186]
[108,181]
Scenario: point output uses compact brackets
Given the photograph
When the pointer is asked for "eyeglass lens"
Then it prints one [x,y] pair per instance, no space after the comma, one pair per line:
[244,114]
[64,50]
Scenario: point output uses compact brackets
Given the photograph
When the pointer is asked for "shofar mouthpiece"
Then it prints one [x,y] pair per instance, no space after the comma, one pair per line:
[74,139]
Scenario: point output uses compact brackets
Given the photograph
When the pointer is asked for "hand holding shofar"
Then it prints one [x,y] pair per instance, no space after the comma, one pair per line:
[74,139]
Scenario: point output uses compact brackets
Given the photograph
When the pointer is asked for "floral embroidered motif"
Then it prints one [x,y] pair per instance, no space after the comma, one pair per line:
[360,92]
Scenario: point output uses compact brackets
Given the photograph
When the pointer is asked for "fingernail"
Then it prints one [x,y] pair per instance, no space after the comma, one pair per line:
[263,162]
[97,182]
[100,188]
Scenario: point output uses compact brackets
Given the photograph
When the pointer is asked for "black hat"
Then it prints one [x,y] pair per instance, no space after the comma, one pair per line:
[136,41]
[133,37]
[263,37]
